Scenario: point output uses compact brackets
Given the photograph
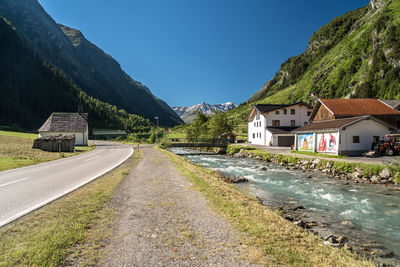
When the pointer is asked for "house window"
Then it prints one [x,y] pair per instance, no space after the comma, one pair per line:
[356,139]
[254,124]
[277,112]
[292,123]
[257,116]
[276,123]
[292,111]
[284,111]
[254,135]
[308,113]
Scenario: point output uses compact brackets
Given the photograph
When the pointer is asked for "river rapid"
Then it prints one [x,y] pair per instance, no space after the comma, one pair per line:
[367,215]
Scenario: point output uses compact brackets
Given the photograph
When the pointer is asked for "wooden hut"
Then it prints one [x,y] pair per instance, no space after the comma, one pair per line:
[60,123]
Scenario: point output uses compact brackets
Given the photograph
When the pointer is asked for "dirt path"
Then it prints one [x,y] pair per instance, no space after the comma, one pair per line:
[162,221]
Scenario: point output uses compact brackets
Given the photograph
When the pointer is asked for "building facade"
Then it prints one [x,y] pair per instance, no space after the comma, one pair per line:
[271,124]
[347,136]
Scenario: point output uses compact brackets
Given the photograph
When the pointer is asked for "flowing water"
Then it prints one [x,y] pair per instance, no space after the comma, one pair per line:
[373,210]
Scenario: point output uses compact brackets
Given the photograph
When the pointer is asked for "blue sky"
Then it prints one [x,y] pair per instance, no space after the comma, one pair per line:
[193,51]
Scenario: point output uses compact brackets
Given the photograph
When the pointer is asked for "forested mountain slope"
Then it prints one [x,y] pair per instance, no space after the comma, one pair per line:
[356,55]
[31,90]
[90,68]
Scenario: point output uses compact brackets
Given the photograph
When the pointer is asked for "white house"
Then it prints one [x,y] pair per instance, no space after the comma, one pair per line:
[271,124]
[348,136]
[67,124]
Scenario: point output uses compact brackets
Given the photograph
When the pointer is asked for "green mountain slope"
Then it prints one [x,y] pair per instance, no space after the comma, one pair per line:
[90,68]
[31,90]
[356,55]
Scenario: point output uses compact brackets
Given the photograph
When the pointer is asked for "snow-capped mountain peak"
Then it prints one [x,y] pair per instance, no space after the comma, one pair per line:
[189,113]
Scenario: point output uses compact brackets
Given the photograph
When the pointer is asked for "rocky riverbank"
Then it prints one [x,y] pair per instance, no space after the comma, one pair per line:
[341,234]
[334,169]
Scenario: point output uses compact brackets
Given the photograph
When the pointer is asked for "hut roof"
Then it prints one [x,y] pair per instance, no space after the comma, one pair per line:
[65,122]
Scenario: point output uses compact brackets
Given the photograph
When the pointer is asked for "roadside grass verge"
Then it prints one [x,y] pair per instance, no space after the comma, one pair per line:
[77,225]
[265,232]
[16,151]
[317,154]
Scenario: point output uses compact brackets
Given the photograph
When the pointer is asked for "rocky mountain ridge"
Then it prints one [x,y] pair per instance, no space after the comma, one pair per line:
[32,89]
[89,67]
[354,55]
[189,113]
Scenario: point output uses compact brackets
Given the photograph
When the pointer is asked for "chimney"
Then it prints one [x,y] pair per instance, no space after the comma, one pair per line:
[80,107]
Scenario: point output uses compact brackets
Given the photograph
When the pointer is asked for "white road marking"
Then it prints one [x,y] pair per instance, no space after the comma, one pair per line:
[57,196]
[13,182]
[92,158]
[112,150]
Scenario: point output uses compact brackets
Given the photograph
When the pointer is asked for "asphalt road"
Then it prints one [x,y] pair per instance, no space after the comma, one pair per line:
[26,189]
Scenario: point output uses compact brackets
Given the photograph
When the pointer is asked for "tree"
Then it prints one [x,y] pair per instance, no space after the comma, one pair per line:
[220,126]
[198,129]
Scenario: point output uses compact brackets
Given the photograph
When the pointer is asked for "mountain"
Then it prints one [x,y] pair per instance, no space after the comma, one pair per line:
[188,114]
[31,90]
[89,67]
[356,55]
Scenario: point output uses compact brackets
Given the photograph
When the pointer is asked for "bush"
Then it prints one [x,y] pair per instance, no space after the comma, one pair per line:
[233,149]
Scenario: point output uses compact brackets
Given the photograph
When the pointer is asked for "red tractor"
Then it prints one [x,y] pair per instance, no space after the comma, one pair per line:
[390,145]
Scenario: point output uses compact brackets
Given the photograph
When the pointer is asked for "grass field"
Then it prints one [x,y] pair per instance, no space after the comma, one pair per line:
[73,228]
[272,240]
[16,151]
[19,134]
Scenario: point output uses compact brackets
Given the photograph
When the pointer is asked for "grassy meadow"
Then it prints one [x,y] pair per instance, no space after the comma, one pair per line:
[16,151]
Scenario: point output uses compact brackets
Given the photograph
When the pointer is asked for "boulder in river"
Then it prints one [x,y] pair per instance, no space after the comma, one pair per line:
[355,175]
[384,174]
[230,179]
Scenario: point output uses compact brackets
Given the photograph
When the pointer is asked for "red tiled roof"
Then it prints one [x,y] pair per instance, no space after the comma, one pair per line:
[357,107]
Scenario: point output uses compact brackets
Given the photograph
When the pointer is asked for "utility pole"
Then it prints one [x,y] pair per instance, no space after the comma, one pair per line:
[156,130]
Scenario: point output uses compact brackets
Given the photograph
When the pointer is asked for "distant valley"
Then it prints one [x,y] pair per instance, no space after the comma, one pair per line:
[188,114]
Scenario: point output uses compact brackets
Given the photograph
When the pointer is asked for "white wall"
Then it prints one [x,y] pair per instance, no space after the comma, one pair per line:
[80,138]
[268,138]
[365,129]
[300,116]
[258,131]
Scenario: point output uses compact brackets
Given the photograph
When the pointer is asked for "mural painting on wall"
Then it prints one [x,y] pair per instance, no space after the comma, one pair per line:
[327,142]
[306,142]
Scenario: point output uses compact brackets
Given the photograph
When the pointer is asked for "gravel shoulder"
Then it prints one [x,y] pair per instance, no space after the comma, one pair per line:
[163,221]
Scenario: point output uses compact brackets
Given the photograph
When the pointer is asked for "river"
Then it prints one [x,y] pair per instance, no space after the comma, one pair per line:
[368,215]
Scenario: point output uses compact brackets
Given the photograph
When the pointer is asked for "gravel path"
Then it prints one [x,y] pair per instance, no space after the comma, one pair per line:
[162,221]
